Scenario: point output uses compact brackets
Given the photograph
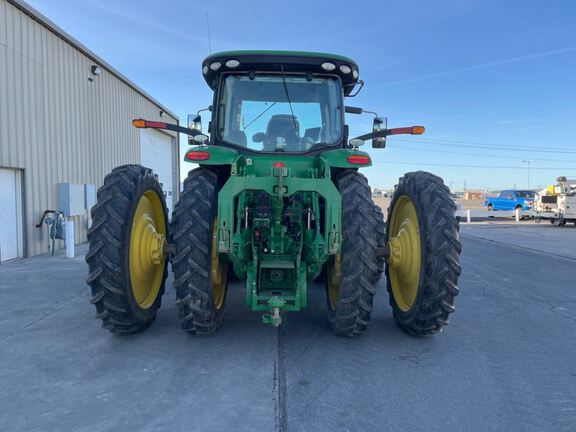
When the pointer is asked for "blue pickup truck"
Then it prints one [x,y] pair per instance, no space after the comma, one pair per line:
[511,200]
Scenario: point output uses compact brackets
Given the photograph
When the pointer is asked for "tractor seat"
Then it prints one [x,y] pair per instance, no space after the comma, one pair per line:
[237,137]
[281,127]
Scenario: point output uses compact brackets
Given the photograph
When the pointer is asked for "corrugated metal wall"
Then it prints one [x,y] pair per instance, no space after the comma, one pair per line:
[57,125]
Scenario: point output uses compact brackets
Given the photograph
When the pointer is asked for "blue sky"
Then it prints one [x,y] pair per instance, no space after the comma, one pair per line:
[494,82]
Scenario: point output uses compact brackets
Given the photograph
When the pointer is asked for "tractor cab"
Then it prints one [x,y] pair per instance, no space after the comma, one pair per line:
[277,101]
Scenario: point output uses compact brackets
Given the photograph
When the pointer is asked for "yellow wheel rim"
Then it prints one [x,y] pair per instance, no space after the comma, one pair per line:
[219,271]
[147,239]
[333,281]
[405,259]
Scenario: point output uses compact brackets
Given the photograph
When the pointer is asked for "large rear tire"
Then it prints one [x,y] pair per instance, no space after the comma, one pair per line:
[423,266]
[127,267]
[200,278]
[353,275]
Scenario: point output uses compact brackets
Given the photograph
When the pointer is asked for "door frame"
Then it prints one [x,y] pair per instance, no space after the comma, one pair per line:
[21,236]
[175,155]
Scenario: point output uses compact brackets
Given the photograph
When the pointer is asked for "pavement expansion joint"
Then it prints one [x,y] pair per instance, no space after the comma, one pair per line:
[518,246]
[43,317]
[279,383]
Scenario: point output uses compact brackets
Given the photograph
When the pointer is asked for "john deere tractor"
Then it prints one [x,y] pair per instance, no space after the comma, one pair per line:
[278,202]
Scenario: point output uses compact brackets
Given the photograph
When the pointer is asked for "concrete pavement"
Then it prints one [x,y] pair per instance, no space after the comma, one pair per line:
[506,362]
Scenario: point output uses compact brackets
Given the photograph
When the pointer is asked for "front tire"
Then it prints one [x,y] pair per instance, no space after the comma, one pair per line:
[490,209]
[127,268]
[353,275]
[200,278]
[423,266]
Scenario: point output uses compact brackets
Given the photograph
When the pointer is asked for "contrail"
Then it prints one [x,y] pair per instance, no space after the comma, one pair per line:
[481,66]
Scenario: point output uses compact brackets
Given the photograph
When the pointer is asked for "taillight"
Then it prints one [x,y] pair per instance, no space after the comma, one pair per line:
[278,164]
[155,124]
[358,159]
[197,155]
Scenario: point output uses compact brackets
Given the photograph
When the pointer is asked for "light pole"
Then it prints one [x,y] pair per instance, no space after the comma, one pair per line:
[527,162]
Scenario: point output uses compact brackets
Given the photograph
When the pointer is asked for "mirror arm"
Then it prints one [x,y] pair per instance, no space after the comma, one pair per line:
[375,114]
[147,124]
[353,110]
[372,135]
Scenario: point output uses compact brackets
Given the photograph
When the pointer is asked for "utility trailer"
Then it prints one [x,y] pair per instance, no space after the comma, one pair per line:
[556,203]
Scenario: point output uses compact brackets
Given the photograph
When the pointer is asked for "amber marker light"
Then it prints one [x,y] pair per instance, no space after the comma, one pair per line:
[410,130]
[143,124]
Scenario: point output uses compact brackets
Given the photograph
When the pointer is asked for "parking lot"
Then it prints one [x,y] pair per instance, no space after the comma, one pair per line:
[505,363]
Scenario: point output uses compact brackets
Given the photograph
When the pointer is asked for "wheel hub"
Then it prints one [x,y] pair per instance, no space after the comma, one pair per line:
[404,247]
[150,242]
[147,242]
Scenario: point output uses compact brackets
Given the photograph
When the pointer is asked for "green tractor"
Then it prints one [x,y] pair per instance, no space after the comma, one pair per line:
[277,201]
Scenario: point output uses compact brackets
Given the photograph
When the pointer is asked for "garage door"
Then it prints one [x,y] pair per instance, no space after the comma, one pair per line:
[156,153]
[11,238]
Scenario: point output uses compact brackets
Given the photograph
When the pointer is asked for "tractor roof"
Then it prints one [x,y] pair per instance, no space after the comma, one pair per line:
[273,61]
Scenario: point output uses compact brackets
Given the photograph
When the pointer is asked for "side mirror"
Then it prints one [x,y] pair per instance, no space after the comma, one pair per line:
[259,137]
[380,123]
[194,123]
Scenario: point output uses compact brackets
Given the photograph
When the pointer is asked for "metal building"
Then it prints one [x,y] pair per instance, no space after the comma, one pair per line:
[65,122]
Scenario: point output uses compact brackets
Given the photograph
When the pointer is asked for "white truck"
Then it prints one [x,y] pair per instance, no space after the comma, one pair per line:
[557,203]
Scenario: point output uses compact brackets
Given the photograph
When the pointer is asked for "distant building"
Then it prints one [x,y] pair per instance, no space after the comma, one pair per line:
[473,195]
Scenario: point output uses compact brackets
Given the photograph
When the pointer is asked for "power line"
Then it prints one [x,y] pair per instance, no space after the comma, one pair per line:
[492,144]
[486,147]
[475,166]
[480,145]
[460,144]
[495,145]
[487,155]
